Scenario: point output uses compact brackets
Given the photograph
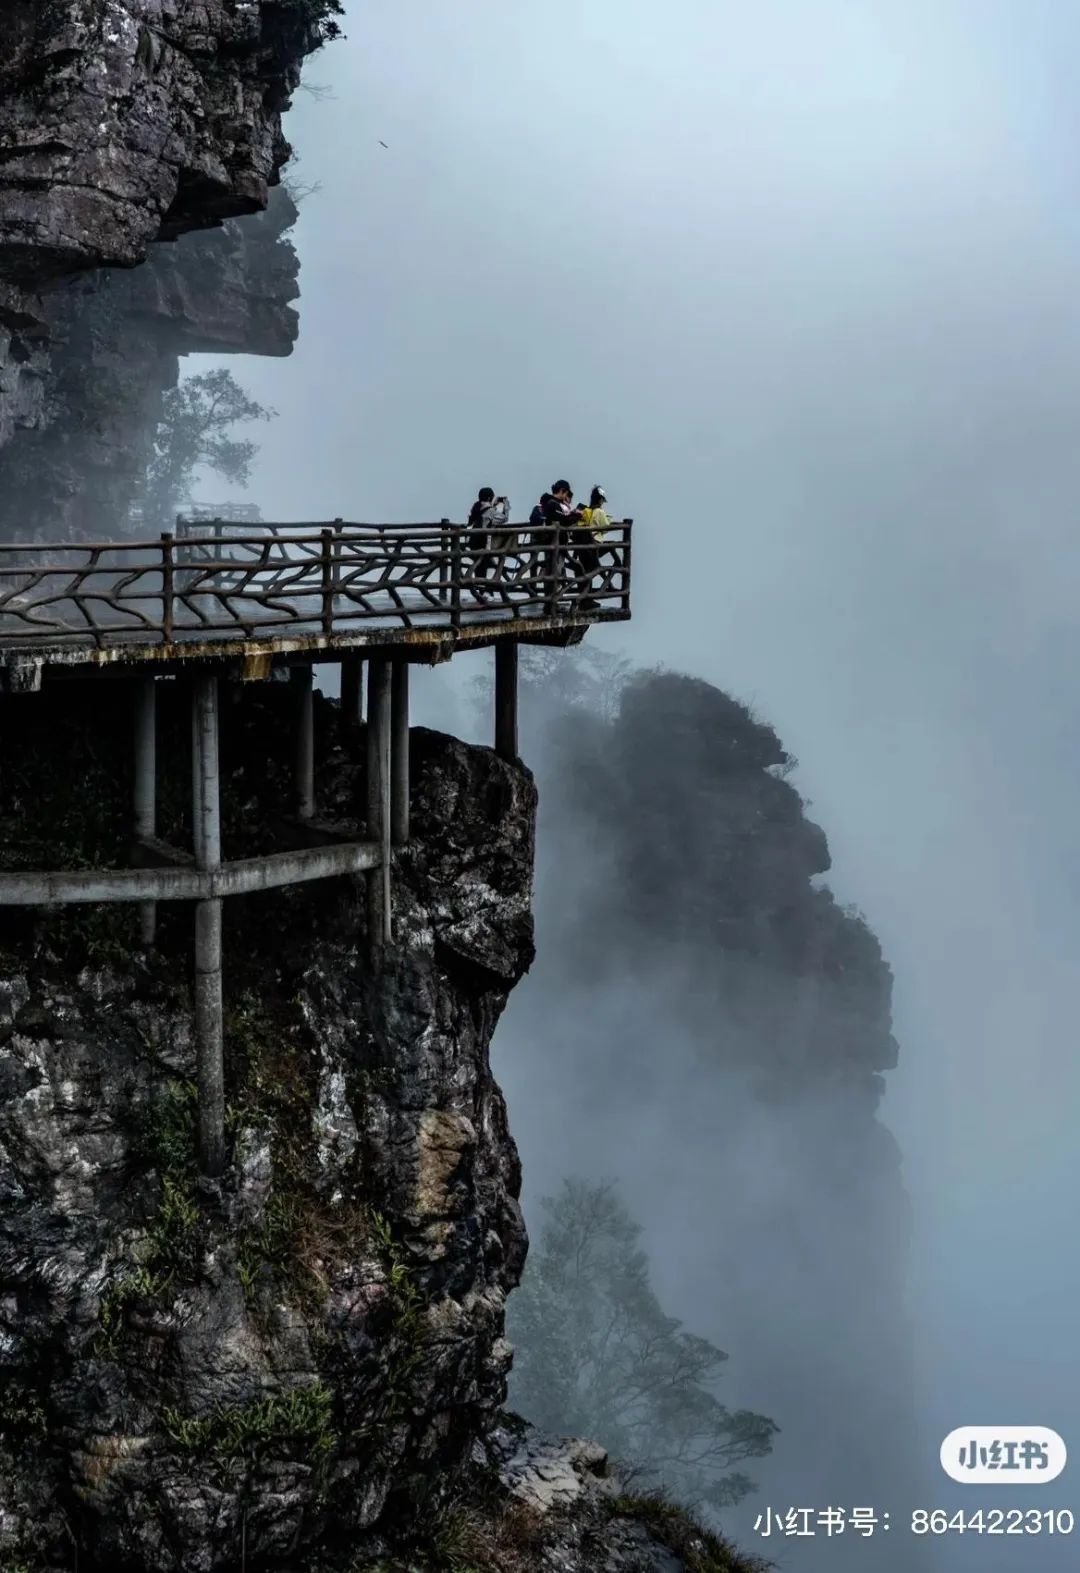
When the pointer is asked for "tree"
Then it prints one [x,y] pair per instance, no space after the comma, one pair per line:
[596,1356]
[194,433]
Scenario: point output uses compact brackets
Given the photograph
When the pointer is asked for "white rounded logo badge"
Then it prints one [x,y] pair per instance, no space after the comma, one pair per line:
[1003,1455]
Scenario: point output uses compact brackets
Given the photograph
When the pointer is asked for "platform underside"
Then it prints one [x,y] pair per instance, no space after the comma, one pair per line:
[253,656]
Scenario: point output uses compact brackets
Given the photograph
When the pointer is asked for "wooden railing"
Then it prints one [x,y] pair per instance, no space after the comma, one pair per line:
[215,580]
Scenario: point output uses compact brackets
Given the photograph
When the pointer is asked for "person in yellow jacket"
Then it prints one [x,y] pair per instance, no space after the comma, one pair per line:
[594,518]
[587,538]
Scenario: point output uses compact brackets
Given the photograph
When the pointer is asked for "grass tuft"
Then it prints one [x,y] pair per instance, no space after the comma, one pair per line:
[674,1526]
[297,1422]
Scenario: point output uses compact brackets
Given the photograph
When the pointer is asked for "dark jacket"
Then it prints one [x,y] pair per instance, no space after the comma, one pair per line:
[556,512]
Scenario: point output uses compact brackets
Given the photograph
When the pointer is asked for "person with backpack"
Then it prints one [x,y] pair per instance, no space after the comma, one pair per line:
[488,538]
[538,515]
[558,505]
[584,558]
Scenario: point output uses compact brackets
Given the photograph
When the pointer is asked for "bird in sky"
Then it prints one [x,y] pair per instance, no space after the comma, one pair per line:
[382,144]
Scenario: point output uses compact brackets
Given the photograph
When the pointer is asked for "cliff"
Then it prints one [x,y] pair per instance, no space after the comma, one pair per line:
[187,1369]
[297,1367]
[114,348]
[124,123]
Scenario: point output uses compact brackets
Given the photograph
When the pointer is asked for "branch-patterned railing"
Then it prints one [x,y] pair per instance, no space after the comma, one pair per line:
[213,580]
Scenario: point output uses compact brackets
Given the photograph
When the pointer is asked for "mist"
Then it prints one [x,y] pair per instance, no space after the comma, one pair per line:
[797,285]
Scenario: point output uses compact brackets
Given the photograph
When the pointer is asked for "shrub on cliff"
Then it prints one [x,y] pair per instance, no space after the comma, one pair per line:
[319,14]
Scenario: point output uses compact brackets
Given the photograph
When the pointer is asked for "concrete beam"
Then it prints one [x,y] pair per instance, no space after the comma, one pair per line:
[244,877]
[421,643]
[399,754]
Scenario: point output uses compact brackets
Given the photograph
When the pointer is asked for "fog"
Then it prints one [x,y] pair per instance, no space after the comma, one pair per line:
[796,283]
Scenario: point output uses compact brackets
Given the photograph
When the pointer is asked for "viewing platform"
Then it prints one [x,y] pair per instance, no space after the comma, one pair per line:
[224,602]
[252,596]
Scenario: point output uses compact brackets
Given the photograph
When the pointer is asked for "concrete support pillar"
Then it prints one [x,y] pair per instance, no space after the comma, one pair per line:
[209,1049]
[506,698]
[302,678]
[351,671]
[399,754]
[209,1037]
[145,804]
[378,803]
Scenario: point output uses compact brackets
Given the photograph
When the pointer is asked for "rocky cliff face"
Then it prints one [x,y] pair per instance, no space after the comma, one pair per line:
[115,339]
[300,1367]
[125,122]
[311,1348]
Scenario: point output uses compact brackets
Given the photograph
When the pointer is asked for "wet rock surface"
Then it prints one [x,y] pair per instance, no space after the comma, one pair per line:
[530,1503]
[122,123]
[125,121]
[254,1372]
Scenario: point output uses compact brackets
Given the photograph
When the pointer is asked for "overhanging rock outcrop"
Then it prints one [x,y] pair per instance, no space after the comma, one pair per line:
[115,338]
[126,121]
[123,122]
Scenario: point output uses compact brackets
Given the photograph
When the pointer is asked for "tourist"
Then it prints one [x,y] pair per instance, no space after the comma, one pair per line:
[488,538]
[559,505]
[594,517]
[584,558]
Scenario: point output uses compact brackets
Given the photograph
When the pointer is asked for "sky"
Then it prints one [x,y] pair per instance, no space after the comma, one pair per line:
[796,282]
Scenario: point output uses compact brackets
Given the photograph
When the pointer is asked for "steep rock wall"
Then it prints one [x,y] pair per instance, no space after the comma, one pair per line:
[271,1366]
[115,339]
[124,122]
[297,1369]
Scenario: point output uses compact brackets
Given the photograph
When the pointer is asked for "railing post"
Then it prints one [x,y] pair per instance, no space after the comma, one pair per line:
[456,560]
[554,566]
[627,525]
[167,587]
[328,580]
[338,526]
[445,564]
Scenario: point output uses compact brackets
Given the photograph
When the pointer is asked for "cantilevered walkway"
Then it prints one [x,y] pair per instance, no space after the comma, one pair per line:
[216,601]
